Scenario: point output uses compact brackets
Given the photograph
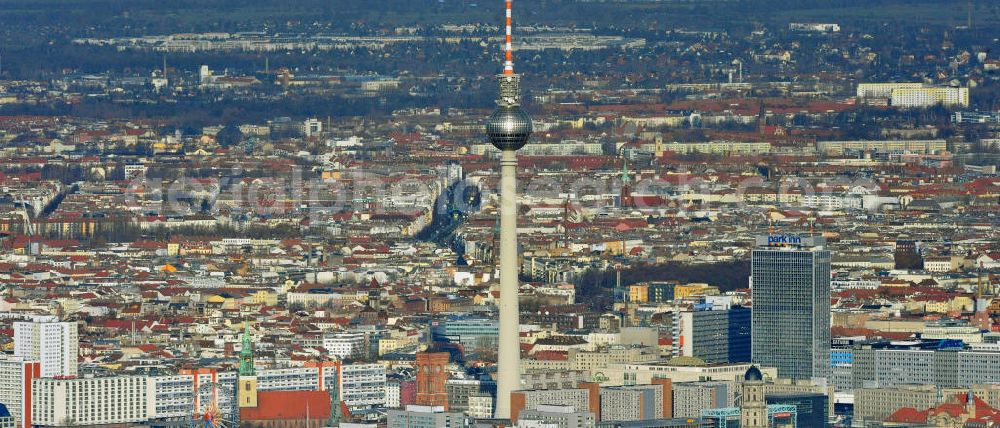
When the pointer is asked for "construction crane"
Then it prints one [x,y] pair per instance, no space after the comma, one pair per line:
[28,228]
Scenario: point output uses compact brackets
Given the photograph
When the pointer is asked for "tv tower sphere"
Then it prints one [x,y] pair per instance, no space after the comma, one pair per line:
[508,128]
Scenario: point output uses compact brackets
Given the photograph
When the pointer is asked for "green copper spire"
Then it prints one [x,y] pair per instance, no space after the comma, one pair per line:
[246,353]
[334,389]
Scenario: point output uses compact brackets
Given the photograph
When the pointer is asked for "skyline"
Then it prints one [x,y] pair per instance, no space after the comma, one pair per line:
[361,215]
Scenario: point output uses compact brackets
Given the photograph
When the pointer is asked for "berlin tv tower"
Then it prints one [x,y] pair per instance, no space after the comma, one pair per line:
[508,128]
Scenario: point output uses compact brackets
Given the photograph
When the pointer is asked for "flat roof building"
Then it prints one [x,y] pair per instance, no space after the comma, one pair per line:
[790,284]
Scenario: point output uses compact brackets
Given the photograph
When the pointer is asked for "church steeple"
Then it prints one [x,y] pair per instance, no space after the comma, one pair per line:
[333,388]
[246,378]
[246,353]
[753,404]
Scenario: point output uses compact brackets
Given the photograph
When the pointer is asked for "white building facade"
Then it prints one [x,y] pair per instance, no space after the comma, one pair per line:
[16,377]
[92,400]
[56,345]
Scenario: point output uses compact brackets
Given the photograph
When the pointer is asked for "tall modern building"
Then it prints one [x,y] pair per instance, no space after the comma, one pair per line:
[56,345]
[790,282]
[508,129]
[718,334]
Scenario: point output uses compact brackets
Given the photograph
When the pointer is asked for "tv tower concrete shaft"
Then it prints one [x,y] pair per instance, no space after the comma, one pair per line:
[509,355]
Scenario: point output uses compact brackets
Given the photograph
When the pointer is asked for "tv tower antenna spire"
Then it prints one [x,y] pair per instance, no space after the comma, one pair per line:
[508,64]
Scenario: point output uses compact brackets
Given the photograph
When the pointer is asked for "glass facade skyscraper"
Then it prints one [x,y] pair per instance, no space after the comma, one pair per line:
[790,281]
[716,335]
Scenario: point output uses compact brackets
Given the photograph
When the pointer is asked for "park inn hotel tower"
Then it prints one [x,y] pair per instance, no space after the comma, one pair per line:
[790,283]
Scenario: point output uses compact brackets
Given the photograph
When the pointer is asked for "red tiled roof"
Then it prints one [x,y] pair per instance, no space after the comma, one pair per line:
[288,405]
[952,409]
[908,415]
[551,355]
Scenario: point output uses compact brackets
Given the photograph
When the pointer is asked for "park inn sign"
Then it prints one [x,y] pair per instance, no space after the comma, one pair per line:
[785,240]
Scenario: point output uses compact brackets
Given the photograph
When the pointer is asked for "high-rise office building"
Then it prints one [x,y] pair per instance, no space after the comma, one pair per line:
[56,345]
[717,334]
[790,282]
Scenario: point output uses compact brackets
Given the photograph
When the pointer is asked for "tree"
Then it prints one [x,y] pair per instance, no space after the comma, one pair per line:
[118,173]
[229,136]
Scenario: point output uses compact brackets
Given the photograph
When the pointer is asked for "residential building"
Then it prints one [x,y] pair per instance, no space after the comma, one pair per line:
[54,344]
[577,398]
[883,90]
[92,400]
[393,392]
[362,385]
[873,405]
[341,344]
[16,388]
[637,402]
[681,369]
[883,365]
[839,148]
[929,96]
[553,416]
[914,94]
[424,417]
[461,391]
[691,398]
